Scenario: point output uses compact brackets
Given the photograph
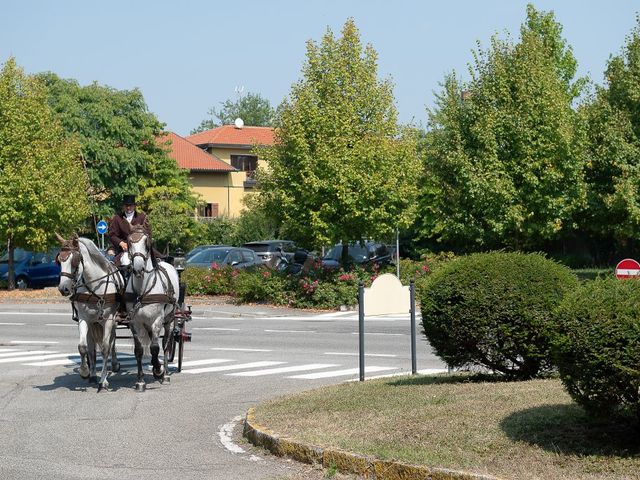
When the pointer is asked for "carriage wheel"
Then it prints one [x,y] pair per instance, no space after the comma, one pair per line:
[170,346]
[180,351]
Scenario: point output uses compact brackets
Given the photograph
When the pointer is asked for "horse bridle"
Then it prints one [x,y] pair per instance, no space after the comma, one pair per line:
[136,237]
[76,260]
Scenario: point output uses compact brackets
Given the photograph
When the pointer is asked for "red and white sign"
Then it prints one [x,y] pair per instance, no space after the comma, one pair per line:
[628,268]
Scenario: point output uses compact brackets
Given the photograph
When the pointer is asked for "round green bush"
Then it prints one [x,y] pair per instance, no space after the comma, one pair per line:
[597,350]
[495,310]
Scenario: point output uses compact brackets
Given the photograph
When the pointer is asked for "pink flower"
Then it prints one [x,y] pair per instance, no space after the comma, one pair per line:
[266,274]
[215,266]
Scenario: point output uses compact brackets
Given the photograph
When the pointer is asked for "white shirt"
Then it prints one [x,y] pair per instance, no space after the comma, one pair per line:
[128,216]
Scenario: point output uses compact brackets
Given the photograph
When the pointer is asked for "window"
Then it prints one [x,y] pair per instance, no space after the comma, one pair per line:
[208,211]
[245,163]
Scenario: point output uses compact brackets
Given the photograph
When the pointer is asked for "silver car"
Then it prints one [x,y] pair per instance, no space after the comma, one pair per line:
[222,256]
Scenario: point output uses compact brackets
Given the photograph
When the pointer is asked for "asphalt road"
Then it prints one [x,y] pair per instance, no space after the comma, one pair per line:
[55,425]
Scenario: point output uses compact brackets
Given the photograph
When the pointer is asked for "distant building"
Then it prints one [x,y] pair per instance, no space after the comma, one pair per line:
[221,166]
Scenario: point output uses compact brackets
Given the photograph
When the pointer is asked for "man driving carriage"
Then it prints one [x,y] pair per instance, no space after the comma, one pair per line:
[120,226]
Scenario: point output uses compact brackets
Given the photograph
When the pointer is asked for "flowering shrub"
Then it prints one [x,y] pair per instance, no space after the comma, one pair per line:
[317,288]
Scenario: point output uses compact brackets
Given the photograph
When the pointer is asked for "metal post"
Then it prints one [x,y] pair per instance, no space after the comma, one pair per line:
[397,253]
[412,294]
[361,328]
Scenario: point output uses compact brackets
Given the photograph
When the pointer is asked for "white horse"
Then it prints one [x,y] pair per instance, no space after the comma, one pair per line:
[94,285]
[151,296]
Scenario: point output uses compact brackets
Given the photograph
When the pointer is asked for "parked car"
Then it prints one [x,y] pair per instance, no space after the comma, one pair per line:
[368,253]
[31,269]
[199,248]
[271,252]
[224,255]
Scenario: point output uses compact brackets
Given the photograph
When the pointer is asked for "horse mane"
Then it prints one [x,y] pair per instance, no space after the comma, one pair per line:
[96,255]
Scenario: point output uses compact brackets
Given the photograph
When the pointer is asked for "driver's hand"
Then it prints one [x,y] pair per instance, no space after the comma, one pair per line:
[124,246]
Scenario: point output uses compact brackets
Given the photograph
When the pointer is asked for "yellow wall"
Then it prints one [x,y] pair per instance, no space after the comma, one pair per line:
[224,188]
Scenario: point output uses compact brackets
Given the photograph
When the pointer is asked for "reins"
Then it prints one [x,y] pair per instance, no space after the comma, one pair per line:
[92,297]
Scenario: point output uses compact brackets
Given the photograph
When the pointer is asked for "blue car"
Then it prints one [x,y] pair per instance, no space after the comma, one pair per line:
[32,270]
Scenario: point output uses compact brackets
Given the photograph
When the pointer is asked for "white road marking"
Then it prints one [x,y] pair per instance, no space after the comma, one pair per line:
[225,434]
[22,352]
[382,334]
[355,354]
[33,342]
[290,331]
[241,349]
[240,366]
[341,373]
[2,350]
[30,358]
[271,371]
[38,314]
[13,324]
[209,361]
[216,328]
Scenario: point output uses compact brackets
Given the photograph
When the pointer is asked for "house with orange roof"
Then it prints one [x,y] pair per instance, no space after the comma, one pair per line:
[221,165]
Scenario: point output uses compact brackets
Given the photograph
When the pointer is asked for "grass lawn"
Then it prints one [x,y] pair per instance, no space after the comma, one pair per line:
[515,430]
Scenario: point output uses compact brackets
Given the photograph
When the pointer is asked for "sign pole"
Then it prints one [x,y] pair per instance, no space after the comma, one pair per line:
[412,294]
[361,328]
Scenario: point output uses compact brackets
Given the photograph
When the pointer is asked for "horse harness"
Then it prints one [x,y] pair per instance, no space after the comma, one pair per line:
[90,297]
[147,298]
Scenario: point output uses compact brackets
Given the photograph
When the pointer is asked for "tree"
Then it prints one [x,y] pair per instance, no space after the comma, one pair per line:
[124,153]
[43,183]
[341,168]
[505,151]
[253,109]
[613,169]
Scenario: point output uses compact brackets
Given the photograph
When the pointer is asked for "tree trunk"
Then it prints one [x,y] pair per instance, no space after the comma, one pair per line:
[11,277]
[344,258]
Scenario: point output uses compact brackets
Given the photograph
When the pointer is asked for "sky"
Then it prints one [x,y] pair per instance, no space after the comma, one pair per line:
[188,56]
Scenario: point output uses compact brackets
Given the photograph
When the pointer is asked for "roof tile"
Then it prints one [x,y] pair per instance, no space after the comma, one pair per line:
[188,156]
[230,135]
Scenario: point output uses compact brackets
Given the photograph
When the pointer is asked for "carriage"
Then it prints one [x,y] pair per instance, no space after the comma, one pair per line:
[152,294]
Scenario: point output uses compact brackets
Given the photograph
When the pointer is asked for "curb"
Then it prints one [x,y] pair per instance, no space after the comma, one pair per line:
[346,462]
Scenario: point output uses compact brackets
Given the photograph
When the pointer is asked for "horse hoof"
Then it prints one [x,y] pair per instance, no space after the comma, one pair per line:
[103,387]
[115,368]
[159,375]
[141,386]
[85,376]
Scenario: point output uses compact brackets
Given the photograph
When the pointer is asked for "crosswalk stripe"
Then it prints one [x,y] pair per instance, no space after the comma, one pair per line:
[13,324]
[340,373]
[271,371]
[232,367]
[22,353]
[355,354]
[241,349]
[5,350]
[32,358]
[208,361]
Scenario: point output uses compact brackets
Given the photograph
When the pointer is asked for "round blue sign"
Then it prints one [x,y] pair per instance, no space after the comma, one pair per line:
[102,227]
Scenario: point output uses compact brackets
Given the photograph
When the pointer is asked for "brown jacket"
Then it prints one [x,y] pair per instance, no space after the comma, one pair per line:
[119,228]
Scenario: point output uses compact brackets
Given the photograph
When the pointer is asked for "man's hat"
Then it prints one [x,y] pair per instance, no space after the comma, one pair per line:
[129,200]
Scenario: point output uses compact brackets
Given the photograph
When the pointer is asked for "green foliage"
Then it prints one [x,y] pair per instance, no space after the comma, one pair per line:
[43,183]
[597,350]
[341,169]
[252,108]
[205,281]
[505,151]
[317,288]
[118,139]
[613,169]
[495,310]
[262,285]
